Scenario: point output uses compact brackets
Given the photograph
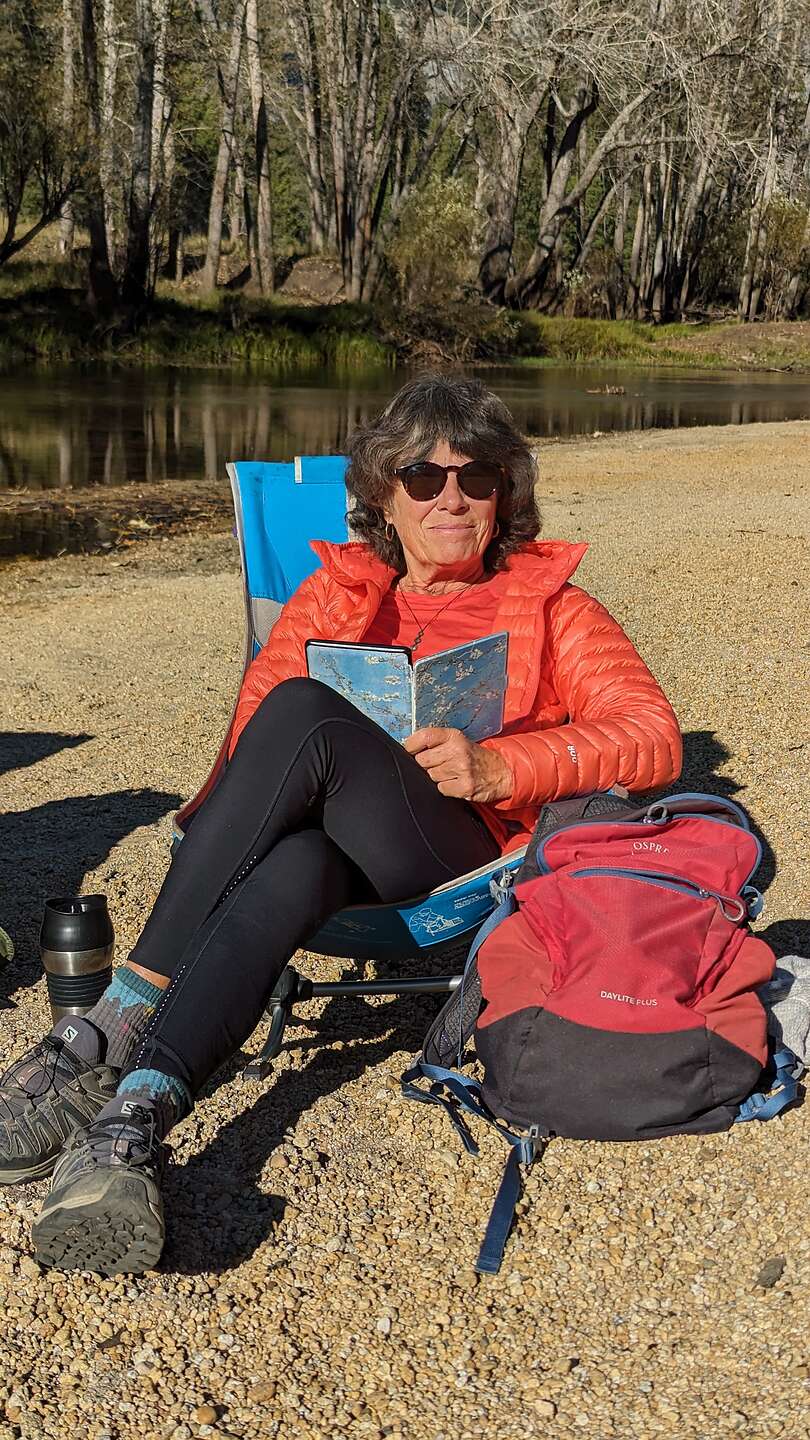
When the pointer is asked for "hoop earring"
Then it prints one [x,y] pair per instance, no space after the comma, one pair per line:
[496,532]
[389,532]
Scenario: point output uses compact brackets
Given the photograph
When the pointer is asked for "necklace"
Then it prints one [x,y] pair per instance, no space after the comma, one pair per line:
[422,628]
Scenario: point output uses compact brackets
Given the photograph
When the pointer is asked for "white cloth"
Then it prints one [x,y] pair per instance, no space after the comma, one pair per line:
[787,1004]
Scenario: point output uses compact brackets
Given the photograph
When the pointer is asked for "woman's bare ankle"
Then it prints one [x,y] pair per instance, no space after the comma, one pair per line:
[161,981]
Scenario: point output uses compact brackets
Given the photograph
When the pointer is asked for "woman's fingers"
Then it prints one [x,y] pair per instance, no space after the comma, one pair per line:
[428,738]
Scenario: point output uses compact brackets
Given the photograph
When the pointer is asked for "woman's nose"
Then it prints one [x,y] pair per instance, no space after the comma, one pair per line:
[452,496]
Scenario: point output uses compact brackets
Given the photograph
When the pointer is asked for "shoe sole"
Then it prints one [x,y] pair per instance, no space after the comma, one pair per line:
[111,1225]
[32,1172]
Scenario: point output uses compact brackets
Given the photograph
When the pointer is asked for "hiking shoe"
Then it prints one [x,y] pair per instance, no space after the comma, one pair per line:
[57,1087]
[104,1211]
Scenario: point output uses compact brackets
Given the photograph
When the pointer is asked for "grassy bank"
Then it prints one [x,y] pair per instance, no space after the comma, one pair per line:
[783,345]
[56,325]
[44,317]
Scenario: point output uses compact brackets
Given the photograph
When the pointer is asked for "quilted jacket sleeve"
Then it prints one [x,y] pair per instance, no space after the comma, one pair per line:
[284,655]
[621,728]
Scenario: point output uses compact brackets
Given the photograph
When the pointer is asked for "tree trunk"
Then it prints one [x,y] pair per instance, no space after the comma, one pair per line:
[616,285]
[797,284]
[162,152]
[109,77]
[307,131]
[230,87]
[135,282]
[751,286]
[103,290]
[528,287]
[67,221]
[237,209]
[263,241]
[503,183]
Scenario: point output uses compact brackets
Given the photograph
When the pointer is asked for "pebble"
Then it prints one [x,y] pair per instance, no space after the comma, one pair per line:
[317,1298]
[771,1271]
[204,1415]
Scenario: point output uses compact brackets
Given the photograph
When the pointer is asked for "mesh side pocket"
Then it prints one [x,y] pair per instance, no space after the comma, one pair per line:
[454,1023]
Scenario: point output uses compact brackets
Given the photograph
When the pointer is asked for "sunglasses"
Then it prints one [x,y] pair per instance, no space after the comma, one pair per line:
[425,480]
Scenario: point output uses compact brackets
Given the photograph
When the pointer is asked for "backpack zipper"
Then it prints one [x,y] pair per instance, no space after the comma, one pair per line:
[545,869]
[669,882]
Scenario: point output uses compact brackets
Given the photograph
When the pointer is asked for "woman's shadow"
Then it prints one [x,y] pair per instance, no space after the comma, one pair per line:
[48,849]
[219,1214]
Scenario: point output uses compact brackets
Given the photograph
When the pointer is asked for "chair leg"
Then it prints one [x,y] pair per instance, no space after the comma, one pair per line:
[290,987]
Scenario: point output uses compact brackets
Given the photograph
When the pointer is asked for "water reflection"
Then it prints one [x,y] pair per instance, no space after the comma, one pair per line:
[69,430]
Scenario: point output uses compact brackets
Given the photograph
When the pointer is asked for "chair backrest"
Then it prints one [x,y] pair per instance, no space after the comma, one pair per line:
[279,510]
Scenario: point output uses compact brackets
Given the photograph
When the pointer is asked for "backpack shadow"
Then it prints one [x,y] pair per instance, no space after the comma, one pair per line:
[703,754]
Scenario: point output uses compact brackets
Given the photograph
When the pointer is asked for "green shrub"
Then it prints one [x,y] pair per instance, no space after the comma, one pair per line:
[430,256]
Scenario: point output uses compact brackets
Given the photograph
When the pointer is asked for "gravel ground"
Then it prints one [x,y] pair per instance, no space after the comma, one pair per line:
[318,1275]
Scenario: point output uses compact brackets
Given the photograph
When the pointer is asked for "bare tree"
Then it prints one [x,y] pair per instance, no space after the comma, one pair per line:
[67,224]
[103,289]
[134,287]
[369,127]
[263,243]
[227,76]
[109,172]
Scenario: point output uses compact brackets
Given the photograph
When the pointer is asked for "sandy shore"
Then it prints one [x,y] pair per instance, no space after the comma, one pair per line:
[317,1279]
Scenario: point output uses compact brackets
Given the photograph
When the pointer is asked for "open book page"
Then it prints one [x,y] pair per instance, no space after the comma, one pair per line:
[464,688]
[377,679]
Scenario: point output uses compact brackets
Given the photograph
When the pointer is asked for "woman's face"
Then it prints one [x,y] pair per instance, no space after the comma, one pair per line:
[447,535]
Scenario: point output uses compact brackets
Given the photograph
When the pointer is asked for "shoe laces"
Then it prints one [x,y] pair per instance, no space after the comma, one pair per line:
[46,1056]
[132,1140]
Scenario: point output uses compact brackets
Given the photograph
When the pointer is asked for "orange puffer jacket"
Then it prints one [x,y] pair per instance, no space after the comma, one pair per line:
[582,710]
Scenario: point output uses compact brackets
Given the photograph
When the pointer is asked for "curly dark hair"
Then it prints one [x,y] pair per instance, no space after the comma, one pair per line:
[471,419]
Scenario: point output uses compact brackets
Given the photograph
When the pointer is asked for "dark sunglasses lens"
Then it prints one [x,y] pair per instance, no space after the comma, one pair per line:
[479,479]
[423,481]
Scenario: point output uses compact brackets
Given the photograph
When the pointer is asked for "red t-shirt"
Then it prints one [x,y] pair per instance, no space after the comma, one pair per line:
[448,620]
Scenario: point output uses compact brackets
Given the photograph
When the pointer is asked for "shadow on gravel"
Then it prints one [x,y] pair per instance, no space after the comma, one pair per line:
[217,1216]
[19,748]
[702,754]
[48,851]
[787,937]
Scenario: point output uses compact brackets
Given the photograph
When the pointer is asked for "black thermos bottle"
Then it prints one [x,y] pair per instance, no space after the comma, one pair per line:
[76,943]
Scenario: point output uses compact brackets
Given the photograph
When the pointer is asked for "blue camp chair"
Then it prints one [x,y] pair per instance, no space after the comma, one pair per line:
[279,510]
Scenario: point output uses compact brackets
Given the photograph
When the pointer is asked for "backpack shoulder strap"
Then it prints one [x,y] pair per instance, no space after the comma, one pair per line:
[765,1104]
[464,1094]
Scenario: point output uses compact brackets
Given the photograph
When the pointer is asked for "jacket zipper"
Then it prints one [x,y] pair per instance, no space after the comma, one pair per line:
[669,882]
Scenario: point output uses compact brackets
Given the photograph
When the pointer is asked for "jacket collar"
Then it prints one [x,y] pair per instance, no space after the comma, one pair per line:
[542,566]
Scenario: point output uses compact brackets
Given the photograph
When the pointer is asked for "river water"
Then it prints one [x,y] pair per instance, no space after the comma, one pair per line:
[66,429]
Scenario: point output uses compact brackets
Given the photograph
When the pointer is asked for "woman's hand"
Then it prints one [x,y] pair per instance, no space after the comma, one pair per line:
[459,767]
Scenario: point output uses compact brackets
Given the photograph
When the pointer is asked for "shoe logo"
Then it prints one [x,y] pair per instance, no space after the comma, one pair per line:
[128,1106]
[69,1034]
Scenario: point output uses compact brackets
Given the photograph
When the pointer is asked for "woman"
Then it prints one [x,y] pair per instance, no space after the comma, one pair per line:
[319,809]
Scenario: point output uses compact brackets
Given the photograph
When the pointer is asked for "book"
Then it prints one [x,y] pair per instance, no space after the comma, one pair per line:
[460,689]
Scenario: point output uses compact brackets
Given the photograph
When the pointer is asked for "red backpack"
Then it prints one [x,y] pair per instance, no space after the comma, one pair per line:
[614,986]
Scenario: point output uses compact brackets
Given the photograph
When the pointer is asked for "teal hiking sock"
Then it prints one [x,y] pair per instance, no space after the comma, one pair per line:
[124,1013]
[168,1095]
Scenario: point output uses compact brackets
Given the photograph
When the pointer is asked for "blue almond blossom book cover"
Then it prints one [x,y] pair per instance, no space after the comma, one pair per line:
[461,689]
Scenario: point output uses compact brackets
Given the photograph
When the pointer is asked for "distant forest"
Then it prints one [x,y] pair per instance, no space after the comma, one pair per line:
[639,158]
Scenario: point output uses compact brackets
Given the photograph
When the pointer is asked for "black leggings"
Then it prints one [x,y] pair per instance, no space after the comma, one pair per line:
[318,809]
